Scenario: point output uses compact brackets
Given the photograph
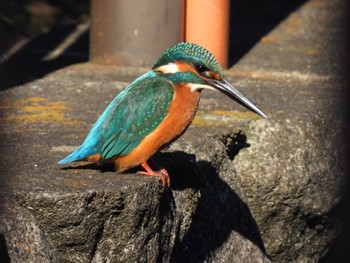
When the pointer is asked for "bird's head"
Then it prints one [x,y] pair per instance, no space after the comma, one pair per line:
[198,68]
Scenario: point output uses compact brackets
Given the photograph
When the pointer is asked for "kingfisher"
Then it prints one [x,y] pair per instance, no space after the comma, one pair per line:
[155,110]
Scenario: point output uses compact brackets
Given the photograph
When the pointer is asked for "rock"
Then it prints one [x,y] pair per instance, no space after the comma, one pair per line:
[123,223]
[293,186]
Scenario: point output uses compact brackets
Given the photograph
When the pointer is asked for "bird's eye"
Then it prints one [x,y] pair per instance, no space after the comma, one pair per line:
[201,69]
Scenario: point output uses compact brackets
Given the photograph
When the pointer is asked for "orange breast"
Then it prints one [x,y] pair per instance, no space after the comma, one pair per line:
[181,113]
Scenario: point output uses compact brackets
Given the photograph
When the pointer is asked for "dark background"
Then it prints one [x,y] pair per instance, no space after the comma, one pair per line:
[43,24]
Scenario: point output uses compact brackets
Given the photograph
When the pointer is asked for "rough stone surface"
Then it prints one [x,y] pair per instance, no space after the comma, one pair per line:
[243,189]
[119,222]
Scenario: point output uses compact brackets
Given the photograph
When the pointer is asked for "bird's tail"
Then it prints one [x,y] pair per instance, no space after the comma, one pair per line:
[79,154]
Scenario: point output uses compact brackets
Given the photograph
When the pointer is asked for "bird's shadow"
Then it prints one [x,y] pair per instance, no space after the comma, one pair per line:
[103,168]
[219,210]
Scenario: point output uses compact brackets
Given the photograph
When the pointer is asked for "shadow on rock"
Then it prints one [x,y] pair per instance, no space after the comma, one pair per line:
[219,209]
[90,166]
[4,256]
[181,167]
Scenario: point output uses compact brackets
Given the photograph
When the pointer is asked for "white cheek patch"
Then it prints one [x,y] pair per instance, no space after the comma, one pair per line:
[168,68]
[172,68]
[195,87]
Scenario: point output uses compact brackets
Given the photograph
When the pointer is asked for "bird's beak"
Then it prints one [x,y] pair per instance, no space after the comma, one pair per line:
[226,87]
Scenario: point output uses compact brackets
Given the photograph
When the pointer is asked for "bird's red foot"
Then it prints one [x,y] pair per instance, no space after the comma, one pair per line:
[161,173]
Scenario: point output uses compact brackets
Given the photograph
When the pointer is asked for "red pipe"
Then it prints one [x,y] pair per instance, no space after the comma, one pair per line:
[207,24]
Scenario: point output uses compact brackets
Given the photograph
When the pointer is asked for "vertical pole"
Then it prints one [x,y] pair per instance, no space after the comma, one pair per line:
[134,32]
[207,24]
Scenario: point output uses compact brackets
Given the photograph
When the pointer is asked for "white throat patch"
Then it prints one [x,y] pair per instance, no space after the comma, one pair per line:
[195,87]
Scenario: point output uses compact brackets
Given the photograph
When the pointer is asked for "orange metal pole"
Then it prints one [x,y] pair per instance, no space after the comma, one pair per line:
[207,24]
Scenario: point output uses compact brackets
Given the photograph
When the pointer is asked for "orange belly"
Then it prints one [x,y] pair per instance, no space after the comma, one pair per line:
[181,113]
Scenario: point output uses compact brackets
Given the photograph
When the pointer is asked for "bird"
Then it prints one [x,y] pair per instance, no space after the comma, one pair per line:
[155,110]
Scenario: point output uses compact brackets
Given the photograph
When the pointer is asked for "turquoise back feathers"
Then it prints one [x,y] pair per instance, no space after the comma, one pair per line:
[128,119]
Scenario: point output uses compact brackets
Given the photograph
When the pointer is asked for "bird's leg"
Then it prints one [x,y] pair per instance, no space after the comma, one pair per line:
[160,169]
[161,173]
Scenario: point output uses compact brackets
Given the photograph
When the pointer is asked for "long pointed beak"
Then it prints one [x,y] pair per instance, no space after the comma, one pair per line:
[226,87]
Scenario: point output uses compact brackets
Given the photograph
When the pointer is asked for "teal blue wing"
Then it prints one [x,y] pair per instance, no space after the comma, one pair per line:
[141,109]
[128,119]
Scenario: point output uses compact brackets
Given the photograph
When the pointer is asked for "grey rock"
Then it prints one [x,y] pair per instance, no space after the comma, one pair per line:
[131,224]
